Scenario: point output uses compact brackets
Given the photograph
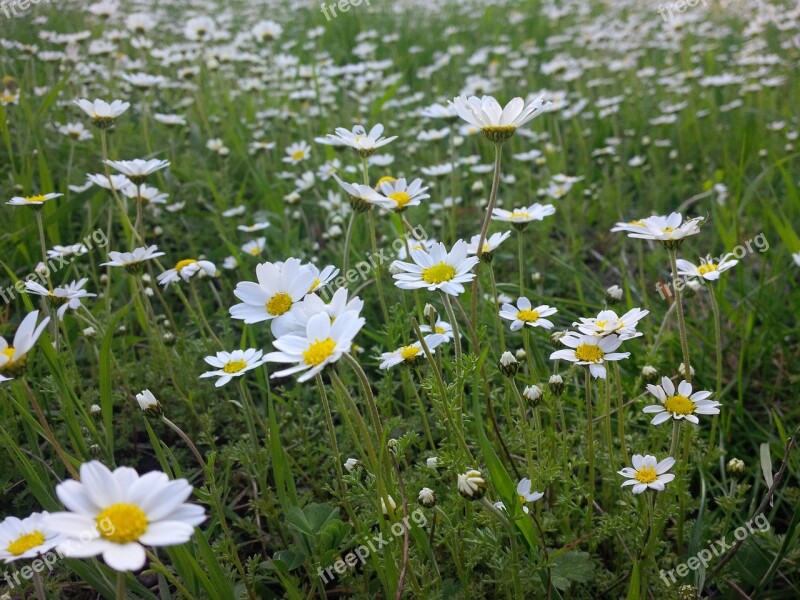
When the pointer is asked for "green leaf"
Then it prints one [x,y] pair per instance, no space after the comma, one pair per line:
[572,567]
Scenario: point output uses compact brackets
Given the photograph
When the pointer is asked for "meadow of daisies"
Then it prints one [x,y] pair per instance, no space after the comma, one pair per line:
[485,299]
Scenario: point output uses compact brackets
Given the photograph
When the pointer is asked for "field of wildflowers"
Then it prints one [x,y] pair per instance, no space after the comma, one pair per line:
[399,299]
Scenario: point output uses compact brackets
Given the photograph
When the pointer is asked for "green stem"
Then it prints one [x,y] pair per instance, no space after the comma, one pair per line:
[679,309]
[38,586]
[590,443]
[493,281]
[718,356]
[120,586]
[332,432]
[454,324]
[520,260]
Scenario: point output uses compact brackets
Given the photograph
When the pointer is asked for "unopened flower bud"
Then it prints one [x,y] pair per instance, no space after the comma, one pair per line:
[391,509]
[148,403]
[508,365]
[426,497]
[533,393]
[555,339]
[613,294]
[650,374]
[471,485]
[430,314]
[350,464]
[432,462]
[520,354]
[682,370]
[735,466]
[556,385]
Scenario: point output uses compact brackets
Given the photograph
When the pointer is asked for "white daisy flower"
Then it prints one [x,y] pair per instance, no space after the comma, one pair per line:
[362,142]
[520,217]
[133,260]
[471,484]
[68,296]
[323,343]
[35,200]
[117,513]
[525,495]
[411,353]
[254,247]
[101,112]
[297,153]
[668,229]
[137,169]
[12,358]
[524,314]
[186,269]
[607,322]
[590,350]
[708,269]
[496,123]
[279,286]
[321,278]
[437,269]
[233,364]
[146,400]
[647,473]
[145,194]
[295,321]
[443,328]
[490,244]
[26,538]
[254,227]
[117,182]
[58,251]
[681,405]
[361,196]
[266,30]
[396,195]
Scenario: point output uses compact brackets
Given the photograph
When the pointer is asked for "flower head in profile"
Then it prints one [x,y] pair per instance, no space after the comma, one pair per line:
[412,353]
[520,217]
[397,195]
[437,269]
[525,494]
[670,230]
[147,401]
[680,403]
[117,513]
[648,473]
[26,538]
[443,328]
[497,124]
[36,200]
[12,358]
[67,297]
[137,169]
[708,269]
[362,197]
[490,244]
[591,351]
[525,314]
[233,364]
[186,269]
[102,113]
[471,484]
[132,261]
[321,344]
[363,142]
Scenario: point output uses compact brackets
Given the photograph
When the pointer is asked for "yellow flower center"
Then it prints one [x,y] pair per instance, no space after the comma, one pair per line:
[279,304]
[707,268]
[234,366]
[438,273]
[669,229]
[255,250]
[520,214]
[184,263]
[298,154]
[679,405]
[25,542]
[409,352]
[122,523]
[646,475]
[438,329]
[386,179]
[637,223]
[38,198]
[589,353]
[402,198]
[9,352]
[528,315]
[601,324]
[318,351]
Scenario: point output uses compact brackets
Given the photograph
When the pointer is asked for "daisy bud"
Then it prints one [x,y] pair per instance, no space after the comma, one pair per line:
[735,466]
[158,230]
[650,374]
[555,339]
[556,385]
[613,294]
[520,354]
[168,338]
[392,507]
[437,223]
[687,592]
[90,332]
[533,393]
[432,462]
[335,232]
[426,497]
[508,365]
[430,314]
[292,198]
[350,464]
[95,450]
[392,445]
[148,403]
[477,187]
[471,485]
[536,277]
[94,410]
[682,370]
